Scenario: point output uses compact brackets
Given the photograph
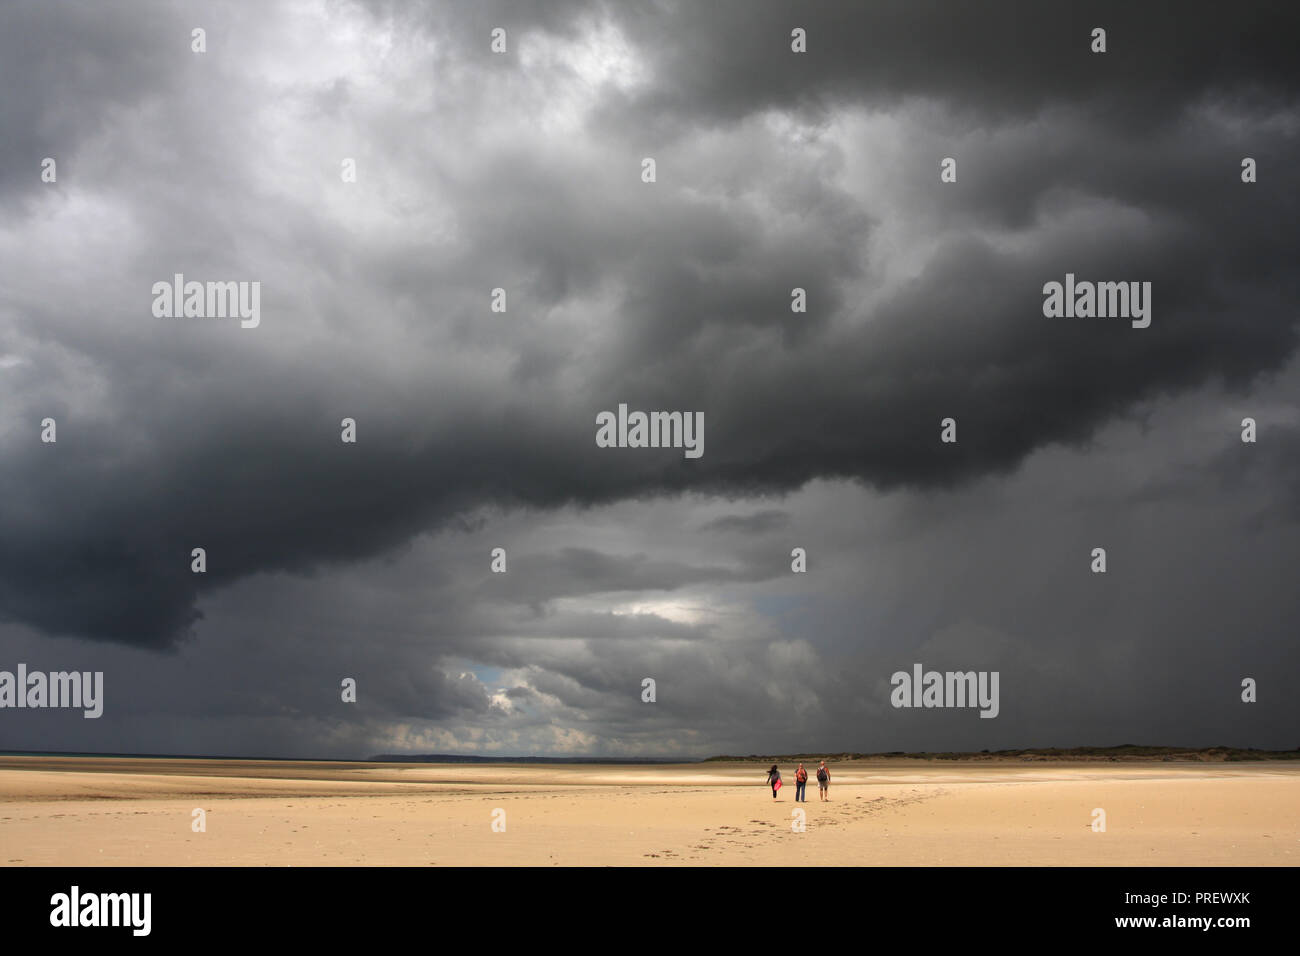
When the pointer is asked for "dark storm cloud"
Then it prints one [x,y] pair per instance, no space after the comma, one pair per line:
[1272,464]
[674,296]
[67,70]
[720,61]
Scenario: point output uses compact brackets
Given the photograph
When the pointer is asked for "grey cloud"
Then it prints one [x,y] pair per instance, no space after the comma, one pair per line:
[760,522]
[231,445]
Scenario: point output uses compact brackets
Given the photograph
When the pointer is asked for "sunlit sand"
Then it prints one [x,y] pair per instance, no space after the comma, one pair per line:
[117,811]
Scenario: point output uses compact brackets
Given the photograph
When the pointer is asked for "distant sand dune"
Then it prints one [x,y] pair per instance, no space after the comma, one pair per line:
[136,811]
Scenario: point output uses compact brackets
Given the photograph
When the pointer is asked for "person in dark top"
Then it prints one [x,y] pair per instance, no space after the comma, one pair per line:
[823,781]
[800,782]
[774,779]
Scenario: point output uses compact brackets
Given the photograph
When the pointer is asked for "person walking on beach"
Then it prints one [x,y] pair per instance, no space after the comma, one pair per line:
[774,779]
[800,785]
[823,781]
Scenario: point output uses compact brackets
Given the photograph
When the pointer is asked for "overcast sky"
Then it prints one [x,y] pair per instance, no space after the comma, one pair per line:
[476,429]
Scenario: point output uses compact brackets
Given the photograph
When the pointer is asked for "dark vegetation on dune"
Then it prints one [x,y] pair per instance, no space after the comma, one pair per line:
[1122,752]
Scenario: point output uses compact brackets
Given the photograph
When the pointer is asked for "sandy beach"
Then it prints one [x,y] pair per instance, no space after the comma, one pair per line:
[75,811]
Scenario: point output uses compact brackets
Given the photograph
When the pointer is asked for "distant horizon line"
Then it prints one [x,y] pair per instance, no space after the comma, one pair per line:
[1129,750]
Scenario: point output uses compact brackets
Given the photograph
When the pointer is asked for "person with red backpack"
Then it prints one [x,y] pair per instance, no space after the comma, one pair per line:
[800,782]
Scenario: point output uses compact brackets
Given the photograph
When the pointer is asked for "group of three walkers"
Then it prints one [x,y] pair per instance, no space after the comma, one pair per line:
[801,781]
